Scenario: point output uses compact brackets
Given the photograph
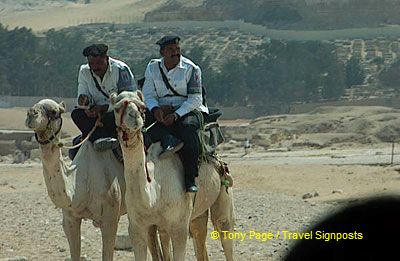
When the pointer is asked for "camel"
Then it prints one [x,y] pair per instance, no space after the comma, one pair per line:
[156,194]
[92,187]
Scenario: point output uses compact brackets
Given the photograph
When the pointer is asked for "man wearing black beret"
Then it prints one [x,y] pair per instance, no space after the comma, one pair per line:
[97,79]
[173,96]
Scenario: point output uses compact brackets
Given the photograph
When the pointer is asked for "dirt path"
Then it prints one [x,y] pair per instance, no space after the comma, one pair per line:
[268,198]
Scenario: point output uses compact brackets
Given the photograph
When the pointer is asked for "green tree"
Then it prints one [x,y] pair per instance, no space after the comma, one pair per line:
[354,73]
[391,76]
[18,60]
[61,57]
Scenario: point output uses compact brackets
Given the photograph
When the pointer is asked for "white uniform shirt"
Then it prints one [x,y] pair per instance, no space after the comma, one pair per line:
[117,78]
[185,78]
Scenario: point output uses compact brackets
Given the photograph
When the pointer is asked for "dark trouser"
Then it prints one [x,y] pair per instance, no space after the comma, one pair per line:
[186,129]
[85,124]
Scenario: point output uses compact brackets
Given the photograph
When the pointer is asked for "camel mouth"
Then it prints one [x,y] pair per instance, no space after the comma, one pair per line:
[128,120]
[29,125]
[34,119]
[30,121]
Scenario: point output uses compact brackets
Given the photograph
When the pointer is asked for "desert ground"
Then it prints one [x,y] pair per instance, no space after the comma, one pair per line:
[37,14]
[275,189]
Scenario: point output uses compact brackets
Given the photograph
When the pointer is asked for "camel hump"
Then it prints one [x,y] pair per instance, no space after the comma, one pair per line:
[153,152]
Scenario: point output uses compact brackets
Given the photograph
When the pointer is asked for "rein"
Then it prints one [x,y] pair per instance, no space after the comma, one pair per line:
[97,123]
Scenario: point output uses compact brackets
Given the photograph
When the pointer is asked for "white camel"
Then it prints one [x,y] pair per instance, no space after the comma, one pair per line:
[157,197]
[92,187]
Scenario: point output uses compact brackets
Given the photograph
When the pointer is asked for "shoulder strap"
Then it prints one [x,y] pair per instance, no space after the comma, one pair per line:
[98,86]
[169,87]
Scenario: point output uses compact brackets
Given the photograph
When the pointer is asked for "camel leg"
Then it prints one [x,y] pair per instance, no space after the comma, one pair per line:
[153,244]
[139,240]
[223,218]
[72,229]
[165,245]
[109,232]
[179,239]
[198,229]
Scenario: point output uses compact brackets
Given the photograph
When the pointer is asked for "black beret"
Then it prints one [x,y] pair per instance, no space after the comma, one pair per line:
[168,39]
[95,50]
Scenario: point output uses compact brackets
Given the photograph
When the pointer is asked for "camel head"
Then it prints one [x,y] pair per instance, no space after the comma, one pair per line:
[129,110]
[42,114]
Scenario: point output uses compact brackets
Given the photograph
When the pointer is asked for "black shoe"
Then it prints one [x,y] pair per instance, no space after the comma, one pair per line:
[104,144]
[170,145]
[192,189]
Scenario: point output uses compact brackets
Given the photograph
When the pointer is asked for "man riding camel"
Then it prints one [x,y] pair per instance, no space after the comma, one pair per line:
[97,79]
[173,96]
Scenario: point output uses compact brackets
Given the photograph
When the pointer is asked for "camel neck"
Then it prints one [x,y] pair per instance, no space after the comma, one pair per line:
[137,183]
[54,169]
[136,168]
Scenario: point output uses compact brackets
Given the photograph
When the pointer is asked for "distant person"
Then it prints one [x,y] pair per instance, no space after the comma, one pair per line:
[246,145]
[173,97]
[97,79]
[371,228]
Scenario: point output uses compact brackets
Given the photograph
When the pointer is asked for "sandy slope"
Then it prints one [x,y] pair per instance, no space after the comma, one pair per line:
[65,14]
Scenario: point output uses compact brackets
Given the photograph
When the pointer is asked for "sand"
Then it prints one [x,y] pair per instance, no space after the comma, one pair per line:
[268,192]
[41,15]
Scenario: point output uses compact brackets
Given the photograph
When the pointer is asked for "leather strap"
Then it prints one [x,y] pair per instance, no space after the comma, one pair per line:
[98,86]
[167,84]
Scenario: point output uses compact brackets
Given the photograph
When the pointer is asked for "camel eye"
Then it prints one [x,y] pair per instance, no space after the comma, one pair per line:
[117,110]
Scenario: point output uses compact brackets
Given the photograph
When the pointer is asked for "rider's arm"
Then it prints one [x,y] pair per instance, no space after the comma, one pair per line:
[194,92]
[126,80]
[149,89]
[84,98]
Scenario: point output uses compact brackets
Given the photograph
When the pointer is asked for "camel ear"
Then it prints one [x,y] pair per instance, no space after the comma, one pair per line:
[61,107]
[113,98]
[142,107]
[140,95]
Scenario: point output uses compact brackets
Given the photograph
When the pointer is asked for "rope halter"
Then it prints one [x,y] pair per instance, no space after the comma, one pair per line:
[50,117]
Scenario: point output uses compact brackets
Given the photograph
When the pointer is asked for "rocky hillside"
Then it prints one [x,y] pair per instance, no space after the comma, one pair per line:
[288,14]
[344,126]
[283,14]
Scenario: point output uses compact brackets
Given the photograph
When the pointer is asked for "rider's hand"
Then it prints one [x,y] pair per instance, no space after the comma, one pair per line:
[83,100]
[169,119]
[90,113]
[158,114]
[95,110]
[99,108]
